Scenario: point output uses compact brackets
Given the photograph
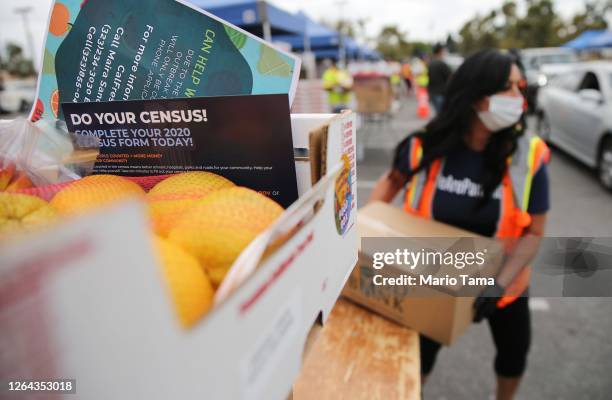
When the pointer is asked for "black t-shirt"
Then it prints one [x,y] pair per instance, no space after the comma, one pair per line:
[458,192]
[439,74]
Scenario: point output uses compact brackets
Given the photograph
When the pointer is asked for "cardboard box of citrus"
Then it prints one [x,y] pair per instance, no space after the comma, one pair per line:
[200,224]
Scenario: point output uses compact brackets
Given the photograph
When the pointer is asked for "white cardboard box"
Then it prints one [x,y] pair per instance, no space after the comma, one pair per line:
[86,301]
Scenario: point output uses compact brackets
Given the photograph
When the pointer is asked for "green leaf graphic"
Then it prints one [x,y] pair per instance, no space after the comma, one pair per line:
[238,38]
[49,63]
[271,63]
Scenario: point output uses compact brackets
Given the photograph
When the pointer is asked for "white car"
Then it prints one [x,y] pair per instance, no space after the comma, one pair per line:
[542,65]
[575,114]
[17,95]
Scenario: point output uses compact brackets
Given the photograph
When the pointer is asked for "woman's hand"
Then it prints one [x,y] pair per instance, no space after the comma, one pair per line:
[388,186]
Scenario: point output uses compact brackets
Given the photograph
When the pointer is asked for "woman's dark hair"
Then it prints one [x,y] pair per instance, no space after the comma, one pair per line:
[484,73]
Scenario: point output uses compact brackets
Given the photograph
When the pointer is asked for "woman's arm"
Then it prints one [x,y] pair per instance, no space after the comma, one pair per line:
[523,251]
[387,186]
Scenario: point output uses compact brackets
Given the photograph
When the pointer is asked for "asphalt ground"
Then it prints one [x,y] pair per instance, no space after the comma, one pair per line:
[571,351]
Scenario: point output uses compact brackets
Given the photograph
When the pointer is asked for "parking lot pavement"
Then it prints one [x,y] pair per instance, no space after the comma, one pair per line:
[571,353]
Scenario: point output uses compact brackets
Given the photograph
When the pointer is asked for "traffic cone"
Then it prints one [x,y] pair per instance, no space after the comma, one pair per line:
[422,103]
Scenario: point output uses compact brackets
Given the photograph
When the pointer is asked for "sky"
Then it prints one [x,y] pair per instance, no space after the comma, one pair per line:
[428,20]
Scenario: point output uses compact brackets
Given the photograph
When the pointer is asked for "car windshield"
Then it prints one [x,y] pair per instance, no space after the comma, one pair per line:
[560,58]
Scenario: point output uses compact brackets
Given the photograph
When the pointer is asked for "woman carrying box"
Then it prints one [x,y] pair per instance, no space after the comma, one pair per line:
[474,166]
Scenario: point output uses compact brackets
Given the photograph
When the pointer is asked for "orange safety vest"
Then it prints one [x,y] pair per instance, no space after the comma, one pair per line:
[516,188]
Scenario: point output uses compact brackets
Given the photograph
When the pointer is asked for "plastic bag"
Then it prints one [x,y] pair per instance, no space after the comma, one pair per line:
[33,155]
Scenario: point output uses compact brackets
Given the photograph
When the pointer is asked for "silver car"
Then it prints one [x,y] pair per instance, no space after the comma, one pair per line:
[575,114]
[17,96]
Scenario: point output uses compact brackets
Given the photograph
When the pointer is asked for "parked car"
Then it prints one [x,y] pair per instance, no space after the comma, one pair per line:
[17,96]
[542,65]
[575,114]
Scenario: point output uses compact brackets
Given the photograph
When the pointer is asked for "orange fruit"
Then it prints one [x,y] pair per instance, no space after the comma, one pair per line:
[218,227]
[189,287]
[21,211]
[60,17]
[38,110]
[6,175]
[55,102]
[94,191]
[172,196]
[20,180]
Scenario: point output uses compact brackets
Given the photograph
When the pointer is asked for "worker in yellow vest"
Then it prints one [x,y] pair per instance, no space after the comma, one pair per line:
[474,166]
[338,83]
[420,72]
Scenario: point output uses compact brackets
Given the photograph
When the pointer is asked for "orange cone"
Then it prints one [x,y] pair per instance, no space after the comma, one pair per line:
[422,103]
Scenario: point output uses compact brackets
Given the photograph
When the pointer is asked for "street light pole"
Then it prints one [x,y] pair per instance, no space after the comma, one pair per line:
[341,46]
[262,8]
[24,11]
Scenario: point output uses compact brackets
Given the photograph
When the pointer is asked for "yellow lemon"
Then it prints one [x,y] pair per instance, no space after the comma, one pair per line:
[172,196]
[219,226]
[187,282]
[21,211]
[94,191]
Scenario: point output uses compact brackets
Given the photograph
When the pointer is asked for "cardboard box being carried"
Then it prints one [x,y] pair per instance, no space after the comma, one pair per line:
[437,306]
[87,300]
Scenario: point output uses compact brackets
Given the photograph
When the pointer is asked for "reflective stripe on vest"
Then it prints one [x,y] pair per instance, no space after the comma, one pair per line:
[525,163]
[516,185]
[418,180]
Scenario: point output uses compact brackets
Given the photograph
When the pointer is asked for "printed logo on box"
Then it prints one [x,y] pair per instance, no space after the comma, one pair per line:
[343,202]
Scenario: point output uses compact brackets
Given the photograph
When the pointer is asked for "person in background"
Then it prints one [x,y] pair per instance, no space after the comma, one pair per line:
[406,73]
[395,79]
[439,75]
[338,83]
[419,71]
[475,167]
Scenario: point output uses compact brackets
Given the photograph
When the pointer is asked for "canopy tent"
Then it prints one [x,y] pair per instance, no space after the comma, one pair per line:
[325,42]
[274,24]
[602,41]
[255,16]
[591,39]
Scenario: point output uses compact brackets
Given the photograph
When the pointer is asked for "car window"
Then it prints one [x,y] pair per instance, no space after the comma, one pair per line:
[589,81]
[539,60]
[557,58]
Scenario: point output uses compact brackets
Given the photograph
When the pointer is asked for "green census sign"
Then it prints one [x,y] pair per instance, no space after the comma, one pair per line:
[119,50]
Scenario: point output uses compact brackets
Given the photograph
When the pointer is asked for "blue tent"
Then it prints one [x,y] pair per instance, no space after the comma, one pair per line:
[325,42]
[602,41]
[589,40]
[255,16]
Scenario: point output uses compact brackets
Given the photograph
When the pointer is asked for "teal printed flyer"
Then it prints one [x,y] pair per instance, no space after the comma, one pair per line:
[119,50]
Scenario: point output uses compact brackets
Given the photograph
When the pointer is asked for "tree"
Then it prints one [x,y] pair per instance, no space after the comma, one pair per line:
[451,44]
[355,29]
[479,32]
[393,45]
[593,17]
[16,64]
[539,26]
